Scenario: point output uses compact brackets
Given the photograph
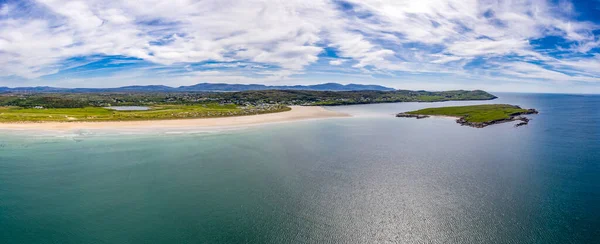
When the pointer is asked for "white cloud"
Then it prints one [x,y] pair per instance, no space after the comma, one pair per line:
[442,59]
[469,28]
[485,47]
[381,36]
[589,67]
[283,34]
[336,62]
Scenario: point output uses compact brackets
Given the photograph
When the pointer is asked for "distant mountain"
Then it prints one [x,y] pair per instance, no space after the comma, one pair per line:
[206,87]
[319,87]
[32,89]
[222,87]
[146,88]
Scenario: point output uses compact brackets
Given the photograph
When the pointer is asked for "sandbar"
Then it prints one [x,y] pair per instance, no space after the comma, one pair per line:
[295,114]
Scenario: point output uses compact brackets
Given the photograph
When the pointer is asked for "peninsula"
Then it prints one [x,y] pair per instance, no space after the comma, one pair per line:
[293,113]
[22,105]
[477,116]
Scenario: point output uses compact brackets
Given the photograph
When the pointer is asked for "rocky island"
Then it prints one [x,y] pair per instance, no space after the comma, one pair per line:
[477,116]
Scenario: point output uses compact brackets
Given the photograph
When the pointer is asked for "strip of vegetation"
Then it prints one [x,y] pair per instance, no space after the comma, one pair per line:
[245,98]
[158,112]
[476,115]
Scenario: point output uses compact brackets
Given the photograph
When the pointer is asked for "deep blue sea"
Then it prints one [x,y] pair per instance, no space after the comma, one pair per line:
[371,178]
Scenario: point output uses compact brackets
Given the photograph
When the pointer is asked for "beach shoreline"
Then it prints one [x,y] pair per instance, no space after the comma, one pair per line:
[297,113]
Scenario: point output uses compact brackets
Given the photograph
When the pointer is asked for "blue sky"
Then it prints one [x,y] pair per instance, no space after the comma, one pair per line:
[521,46]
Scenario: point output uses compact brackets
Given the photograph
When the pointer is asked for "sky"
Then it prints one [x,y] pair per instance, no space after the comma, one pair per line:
[516,46]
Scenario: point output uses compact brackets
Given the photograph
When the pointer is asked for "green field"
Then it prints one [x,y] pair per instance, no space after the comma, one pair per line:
[257,98]
[475,113]
[18,114]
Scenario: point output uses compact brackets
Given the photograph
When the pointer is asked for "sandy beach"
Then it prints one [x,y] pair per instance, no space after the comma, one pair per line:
[297,113]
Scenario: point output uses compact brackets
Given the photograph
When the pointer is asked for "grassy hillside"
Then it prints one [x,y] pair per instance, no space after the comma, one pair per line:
[286,97]
[17,114]
[475,113]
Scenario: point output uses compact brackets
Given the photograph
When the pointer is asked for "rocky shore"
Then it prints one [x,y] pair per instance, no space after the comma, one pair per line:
[462,120]
[417,116]
[513,117]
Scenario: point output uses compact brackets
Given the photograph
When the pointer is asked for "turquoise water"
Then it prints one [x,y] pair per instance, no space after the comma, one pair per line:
[372,178]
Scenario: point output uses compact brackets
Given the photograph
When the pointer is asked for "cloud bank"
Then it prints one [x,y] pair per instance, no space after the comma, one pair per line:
[529,45]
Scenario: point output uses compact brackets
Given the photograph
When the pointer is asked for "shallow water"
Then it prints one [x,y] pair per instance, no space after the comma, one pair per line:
[128,108]
[372,178]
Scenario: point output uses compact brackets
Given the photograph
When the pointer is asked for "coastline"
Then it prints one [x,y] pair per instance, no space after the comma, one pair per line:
[296,113]
[477,116]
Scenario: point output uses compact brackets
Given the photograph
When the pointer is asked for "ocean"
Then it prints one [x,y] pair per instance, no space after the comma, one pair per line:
[371,178]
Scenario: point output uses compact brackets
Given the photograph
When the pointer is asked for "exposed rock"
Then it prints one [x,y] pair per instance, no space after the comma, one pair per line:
[514,117]
[417,116]
[521,124]
[524,120]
